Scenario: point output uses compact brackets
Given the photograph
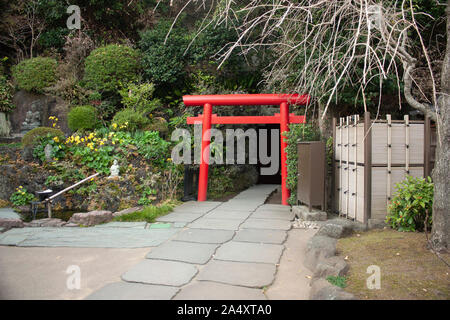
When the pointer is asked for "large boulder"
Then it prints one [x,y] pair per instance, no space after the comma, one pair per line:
[91,218]
[333,266]
[303,213]
[323,290]
[46,105]
[319,248]
[9,223]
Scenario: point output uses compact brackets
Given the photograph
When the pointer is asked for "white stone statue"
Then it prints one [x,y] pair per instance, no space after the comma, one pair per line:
[114,170]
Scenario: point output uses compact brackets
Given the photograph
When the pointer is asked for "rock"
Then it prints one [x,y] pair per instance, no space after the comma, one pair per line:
[376,224]
[47,222]
[91,218]
[45,104]
[11,223]
[23,209]
[5,125]
[333,266]
[323,290]
[335,230]
[318,248]
[303,213]
[127,211]
[71,225]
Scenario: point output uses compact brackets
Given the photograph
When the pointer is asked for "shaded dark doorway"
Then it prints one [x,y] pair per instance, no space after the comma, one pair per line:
[276,178]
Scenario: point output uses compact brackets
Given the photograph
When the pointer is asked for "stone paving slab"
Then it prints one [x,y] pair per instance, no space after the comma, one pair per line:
[122,225]
[161,272]
[234,206]
[261,236]
[179,217]
[249,252]
[273,224]
[256,275]
[86,237]
[275,207]
[206,290]
[277,215]
[225,214]
[197,207]
[8,213]
[215,224]
[133,291]
[198,253]
[204,236]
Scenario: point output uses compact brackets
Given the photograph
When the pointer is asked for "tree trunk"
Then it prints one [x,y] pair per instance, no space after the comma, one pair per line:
[440,234]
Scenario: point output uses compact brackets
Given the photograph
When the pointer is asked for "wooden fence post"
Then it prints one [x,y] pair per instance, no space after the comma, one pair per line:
[367,167]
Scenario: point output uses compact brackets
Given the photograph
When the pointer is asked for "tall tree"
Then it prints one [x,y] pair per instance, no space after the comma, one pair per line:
[322,46]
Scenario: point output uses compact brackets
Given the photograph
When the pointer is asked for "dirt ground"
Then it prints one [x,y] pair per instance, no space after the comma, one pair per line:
[408,269]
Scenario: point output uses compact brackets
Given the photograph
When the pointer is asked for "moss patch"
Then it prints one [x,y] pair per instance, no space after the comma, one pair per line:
[408,269]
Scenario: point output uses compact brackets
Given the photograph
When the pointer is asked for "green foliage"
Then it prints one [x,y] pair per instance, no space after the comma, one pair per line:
[54,38]
[297,133]
[147,196]
[106,68]
[58,148]
[148,214]
[5,95]
[32,136]
[35,74]
[21,197]
[100,160]
[337,281]
[411,202]
[139,97]
[130,119]
[82,117]
[164,62]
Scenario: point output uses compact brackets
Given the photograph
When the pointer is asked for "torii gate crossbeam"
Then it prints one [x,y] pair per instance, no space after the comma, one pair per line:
[207,118]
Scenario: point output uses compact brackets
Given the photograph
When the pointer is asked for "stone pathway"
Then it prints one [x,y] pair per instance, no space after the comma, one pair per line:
[227,250]
[201,250]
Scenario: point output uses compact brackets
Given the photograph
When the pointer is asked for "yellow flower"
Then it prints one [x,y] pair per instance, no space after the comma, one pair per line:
[169,159]
[56,139]
[114,125]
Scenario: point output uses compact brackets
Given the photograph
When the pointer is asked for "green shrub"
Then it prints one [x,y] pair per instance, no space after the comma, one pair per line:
[106,68]
[130,119]
[82,117]
[139,97]
[57,144]
[297,133]
[32,136]
[5,95]
[410,203]
[35,74]
[148,214]
[164,62]
[21,197]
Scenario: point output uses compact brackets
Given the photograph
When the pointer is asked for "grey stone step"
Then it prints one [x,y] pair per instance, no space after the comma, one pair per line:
[226,214]
[249,252]
[161,272]
[133,291]
[206,290]
[256,275]
[277,215]
[179,217]
[198,253]
[261,236]
[204,236]
[217,224]
[274,224]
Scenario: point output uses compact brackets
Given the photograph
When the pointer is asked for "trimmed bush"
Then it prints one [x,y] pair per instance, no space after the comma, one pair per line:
[5,95]
[130,119]
[106,68]
[32,136]
[35,74]
[410,203]
[82,117]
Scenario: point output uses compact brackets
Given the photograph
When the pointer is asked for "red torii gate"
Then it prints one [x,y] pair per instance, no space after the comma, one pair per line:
[207,118]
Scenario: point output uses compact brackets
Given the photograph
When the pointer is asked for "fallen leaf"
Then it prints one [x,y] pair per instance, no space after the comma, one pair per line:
[309,277]
[346,258]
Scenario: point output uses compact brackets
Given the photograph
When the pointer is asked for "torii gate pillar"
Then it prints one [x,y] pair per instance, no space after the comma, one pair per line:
[283,118]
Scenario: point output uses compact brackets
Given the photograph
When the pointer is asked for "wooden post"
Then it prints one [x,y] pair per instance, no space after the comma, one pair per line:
[355,159]
[427,147]
[367,167]
[333,169]
[406,144]
[389,158]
